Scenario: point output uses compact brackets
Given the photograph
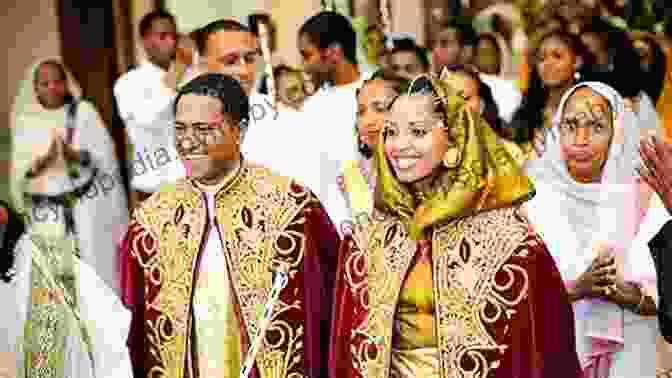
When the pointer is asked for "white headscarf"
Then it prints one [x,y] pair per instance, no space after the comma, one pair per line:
[27,115]
[574,218]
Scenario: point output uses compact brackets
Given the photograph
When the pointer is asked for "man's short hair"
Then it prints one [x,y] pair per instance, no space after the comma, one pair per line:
[409,45]
[254,19]
[149,18]
[227,90]
[328,28]
[214,27]
[464,26]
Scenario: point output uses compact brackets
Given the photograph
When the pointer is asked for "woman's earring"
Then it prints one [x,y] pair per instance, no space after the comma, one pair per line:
[451,158]
[577,75]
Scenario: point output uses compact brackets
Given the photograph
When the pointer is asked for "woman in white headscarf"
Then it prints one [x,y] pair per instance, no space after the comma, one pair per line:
[61,145]
[587,210]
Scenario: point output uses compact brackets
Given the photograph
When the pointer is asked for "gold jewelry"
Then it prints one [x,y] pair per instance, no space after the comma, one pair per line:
[451,158]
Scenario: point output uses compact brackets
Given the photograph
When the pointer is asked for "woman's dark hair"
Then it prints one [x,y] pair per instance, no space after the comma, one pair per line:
[14,229]
[654,77]
[398,85]
[530,115]
[490,108]
[624,61]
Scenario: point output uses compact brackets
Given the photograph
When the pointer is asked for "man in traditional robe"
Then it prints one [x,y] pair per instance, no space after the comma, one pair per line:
[209,256]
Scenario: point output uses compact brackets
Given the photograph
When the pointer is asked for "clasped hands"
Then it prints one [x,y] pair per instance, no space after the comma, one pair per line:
[57,148]
[601,281]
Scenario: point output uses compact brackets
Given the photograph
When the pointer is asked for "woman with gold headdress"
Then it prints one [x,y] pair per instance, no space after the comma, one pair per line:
[446,278]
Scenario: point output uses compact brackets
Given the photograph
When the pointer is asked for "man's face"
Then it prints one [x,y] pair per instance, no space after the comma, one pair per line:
[291,89]
[448,48]
[50,86]
[161,41]
[405,64]
[206,139]
[234,53]
[314,62]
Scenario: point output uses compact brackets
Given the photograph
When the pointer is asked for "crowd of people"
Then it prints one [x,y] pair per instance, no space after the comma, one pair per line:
[483,207]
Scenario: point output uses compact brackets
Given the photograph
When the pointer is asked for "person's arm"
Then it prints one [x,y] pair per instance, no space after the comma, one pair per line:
[660,247]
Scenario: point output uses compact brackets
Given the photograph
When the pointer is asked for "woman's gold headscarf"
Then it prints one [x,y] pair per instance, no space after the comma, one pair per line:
[481,174]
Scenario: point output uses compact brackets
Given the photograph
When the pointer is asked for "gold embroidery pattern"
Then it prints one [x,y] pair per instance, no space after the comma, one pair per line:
[262,219]
[389,252]
[262,222]
[468,255]
[164,218]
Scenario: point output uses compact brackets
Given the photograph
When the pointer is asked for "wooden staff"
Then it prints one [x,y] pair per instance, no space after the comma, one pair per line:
[266,52]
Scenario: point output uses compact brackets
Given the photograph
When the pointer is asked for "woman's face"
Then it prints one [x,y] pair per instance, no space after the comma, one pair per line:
[556,63]
[414,137]
[372,103]
[50,86]
[487,56]
[586,131]
[472,96]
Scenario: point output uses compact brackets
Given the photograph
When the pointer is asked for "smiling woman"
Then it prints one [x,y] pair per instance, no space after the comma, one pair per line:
[416,278]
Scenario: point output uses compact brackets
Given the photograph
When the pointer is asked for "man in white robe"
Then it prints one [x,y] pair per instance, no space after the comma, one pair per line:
[328,46]
[145,99]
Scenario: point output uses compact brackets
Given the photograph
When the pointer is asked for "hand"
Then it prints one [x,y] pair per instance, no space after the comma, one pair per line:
[597,280]
[656,168]
[52,154]
[632,104]
[624,294]
[70,152]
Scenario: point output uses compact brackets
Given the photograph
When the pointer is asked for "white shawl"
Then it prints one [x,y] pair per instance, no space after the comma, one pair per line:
[575,218]
[101,215]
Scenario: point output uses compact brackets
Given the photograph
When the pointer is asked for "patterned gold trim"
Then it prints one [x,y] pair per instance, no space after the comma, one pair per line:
[467,256]
[260,216]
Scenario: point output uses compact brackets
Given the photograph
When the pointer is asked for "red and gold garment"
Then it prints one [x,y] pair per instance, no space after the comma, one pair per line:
[265,219]
[499,306]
